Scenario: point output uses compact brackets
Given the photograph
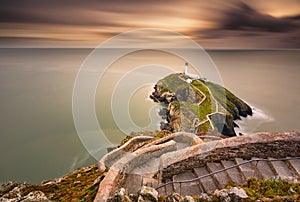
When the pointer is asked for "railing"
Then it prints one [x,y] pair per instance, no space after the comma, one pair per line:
[225,169]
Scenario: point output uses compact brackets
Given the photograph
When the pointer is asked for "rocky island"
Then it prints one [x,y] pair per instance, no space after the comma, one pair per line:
[198,105]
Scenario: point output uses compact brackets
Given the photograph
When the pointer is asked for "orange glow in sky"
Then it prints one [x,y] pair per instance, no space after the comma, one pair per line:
[213,24]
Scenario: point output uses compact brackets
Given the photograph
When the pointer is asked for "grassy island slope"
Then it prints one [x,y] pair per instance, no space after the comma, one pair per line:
[198,105]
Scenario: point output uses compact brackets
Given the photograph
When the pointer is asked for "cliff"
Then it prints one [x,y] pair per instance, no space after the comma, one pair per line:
[198,105]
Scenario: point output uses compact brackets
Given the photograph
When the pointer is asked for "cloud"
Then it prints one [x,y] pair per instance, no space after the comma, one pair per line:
[78,12]
[243,17]
[42,12]
[93,21]
[239,25]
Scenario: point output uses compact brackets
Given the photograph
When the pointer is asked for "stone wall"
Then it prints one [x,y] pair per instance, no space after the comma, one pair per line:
[261,145]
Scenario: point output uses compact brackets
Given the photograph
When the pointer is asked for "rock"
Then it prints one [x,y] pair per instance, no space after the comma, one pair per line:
[59,180]
[120,196]
[224,124]
[15,193]
[48,182]
[234,194]
[7,187]
[187,199]
[237,194]
[285,178]
[222,195]
[147,194]
[98,180]
[204,197]
[35,196]
[175,197]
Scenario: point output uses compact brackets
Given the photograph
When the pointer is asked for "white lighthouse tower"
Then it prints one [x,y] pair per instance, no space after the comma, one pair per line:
[193,76]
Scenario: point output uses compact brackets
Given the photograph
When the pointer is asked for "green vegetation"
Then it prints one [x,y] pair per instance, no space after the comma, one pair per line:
[176,105]
[274,189]
[172,83]
[77,186]
[205,126]
[208,105]
[198,100]
[262,190]
[161,134]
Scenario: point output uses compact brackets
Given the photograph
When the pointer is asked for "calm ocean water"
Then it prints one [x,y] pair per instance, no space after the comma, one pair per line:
[38,139]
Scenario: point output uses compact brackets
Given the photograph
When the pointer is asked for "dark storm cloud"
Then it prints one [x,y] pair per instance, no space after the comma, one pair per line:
[239,25]
[243,17]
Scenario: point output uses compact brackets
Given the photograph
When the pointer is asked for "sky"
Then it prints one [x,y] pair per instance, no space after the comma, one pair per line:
[214,24]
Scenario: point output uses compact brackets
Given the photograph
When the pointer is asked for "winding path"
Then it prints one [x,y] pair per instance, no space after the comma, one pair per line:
[205,97]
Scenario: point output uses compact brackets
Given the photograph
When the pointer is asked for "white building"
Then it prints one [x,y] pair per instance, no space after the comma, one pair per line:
[193,76]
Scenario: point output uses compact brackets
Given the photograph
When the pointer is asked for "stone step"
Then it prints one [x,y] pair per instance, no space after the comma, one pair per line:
[264,169]
[207,183]
[149,182]
[281,168]
[133,183]
[295,164]
[190,188]
[161,191]
[248,170]
[147,167]
[233,173]
[169,189]
[221,178]
[165,190]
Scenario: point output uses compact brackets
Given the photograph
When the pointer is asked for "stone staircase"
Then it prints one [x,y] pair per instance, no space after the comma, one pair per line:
[189,165]
[283,169]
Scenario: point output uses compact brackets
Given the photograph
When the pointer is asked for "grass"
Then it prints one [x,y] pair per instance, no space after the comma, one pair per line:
[208,105]
[263,190]
[217,99]
[172,83]
[204,127]
[77,186]
[225,98]
[274,189]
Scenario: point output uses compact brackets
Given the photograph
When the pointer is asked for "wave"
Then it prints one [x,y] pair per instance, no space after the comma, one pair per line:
[251,124]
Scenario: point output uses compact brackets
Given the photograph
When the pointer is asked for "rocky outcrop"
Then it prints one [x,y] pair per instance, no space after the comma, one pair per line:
[197,105]
[80,185]
[148,194]
[14,192]
[233,194]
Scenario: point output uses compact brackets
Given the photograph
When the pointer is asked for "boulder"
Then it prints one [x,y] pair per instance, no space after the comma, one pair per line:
[187,199]
[148,194]
[233,194]
[205,197]
[7,187]
[35,196]
[222,195]
[120,196]
[236,194]
[175,197]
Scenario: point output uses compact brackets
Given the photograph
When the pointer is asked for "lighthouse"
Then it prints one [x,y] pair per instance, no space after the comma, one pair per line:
[193,76]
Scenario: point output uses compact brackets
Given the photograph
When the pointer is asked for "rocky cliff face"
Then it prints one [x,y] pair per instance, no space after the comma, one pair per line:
[197,105]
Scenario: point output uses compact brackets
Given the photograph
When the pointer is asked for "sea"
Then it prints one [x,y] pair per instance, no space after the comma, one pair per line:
[40,140]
